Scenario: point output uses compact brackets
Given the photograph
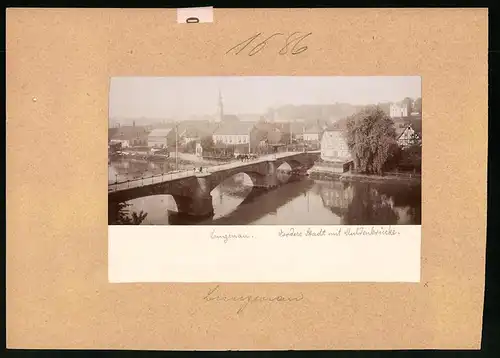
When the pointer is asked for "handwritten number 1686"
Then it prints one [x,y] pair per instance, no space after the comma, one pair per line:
[292,43]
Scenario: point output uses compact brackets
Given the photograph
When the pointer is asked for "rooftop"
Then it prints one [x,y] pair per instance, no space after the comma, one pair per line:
[160,132]
[230,128]
[402,123]
[127,132]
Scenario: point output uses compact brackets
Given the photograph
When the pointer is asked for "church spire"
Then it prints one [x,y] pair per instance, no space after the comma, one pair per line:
[220,108]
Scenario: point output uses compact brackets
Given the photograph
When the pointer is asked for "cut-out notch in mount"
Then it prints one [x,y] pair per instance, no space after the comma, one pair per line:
[195,15]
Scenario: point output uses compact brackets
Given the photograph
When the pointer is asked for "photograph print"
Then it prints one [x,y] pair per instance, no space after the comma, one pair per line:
[265,150]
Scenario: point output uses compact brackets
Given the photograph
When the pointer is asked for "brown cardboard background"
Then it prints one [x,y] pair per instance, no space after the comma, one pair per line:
[57,290]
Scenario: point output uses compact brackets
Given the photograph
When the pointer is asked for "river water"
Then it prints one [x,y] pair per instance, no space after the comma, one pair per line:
[304,202]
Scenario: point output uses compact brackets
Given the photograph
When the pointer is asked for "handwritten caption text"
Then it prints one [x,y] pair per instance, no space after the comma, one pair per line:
[292,44]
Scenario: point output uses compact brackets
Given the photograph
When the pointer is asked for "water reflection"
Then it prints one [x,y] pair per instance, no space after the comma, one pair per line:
[303,202]
[229,194]
[160,209]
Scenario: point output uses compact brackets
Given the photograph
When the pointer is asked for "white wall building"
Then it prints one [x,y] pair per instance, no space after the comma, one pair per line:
[311,134]
[233,133]
[398,110]
[242,138]
[334,147]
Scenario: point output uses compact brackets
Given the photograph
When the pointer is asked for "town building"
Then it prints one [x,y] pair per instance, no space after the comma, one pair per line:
[408,134]
[193,130]
[289,131]
[233,134]
[128,136]
[335,152]
[297,128]
[397,110]
[334,146]
[159,138]
[312,134]
[189,135]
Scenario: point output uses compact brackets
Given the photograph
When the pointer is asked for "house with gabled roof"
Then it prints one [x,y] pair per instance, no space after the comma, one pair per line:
[159,137]
[407,136]
[408,132]
[233,133]
[196,130]
[128,136]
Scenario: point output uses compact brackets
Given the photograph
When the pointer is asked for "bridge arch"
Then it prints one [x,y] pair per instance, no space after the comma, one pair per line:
[295,162]
[255,173]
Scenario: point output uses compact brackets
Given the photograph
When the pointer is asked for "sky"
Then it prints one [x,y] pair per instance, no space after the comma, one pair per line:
[167,97]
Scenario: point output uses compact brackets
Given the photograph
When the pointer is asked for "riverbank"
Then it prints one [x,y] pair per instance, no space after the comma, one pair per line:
[324,173]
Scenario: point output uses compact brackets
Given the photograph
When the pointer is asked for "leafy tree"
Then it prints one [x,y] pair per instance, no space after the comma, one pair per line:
[207,143]
[386,107]
[118,214]
[259,133]
[371,138]
[274,136]
[411,158]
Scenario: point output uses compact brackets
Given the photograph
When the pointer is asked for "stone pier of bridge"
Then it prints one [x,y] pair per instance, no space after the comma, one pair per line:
[199,203]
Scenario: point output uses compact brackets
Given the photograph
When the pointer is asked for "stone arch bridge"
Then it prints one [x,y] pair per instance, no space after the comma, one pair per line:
[192,190]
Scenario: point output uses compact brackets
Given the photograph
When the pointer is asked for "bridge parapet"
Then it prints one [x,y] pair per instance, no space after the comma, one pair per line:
[192,193]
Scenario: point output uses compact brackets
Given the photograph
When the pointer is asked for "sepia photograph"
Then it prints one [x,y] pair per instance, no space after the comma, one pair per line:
[265,150]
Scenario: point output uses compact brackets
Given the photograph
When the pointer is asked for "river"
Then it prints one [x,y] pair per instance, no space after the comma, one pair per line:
[304,202]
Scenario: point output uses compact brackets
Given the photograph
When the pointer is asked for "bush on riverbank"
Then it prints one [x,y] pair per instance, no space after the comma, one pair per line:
[411,159]
[119,214]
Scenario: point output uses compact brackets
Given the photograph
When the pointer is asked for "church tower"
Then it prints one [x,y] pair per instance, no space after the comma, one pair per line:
[220,109]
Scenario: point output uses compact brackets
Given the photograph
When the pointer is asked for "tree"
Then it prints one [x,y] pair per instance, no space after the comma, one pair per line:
[191,146]
[274,136]
[411,157]
[417,105]
[118,214]
[371,138]
[207,143]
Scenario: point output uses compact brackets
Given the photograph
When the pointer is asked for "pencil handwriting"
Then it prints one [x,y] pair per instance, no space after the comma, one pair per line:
[225,237]
[214,295]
